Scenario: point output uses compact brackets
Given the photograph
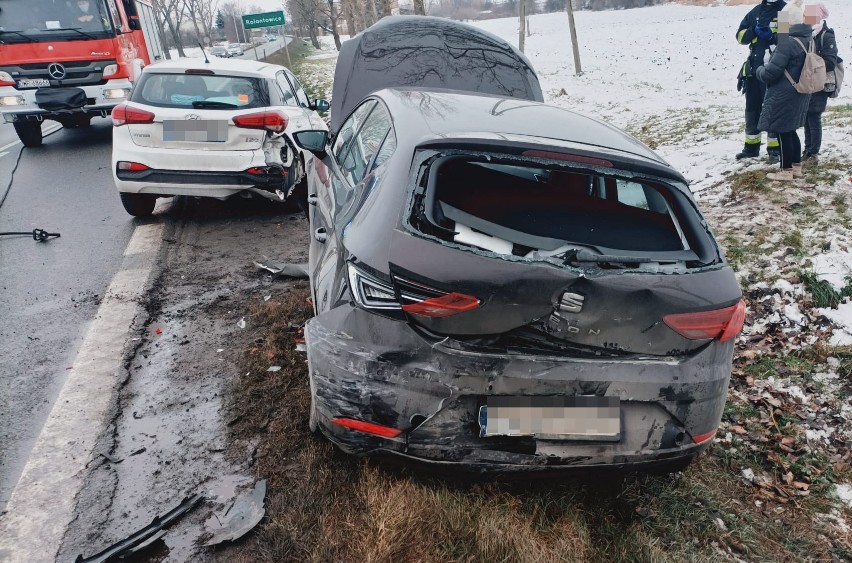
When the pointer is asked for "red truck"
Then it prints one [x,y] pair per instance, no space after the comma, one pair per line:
[70,60]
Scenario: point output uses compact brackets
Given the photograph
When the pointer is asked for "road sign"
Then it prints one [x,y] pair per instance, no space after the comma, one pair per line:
[266,19]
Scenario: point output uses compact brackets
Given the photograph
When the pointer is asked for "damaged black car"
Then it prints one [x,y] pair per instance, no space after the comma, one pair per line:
[506,286]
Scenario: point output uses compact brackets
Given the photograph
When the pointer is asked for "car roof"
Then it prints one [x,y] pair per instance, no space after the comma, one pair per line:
[430,115]
[234,67]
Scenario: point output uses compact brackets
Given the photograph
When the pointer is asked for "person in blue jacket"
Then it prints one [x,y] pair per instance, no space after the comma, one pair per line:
[758,30]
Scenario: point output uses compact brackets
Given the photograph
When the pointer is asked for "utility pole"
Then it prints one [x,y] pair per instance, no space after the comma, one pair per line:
[522,28]
[569,7]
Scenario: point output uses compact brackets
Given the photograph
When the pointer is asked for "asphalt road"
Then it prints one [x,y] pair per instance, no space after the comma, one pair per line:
[50,292]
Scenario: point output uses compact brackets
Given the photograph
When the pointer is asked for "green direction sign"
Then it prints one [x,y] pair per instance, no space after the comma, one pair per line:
[266,19]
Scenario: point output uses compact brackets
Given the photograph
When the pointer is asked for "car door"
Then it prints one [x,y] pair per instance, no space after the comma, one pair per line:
[295,96]
[325,205]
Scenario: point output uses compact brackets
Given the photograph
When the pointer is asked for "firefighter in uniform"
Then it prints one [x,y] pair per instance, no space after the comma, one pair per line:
[758,30]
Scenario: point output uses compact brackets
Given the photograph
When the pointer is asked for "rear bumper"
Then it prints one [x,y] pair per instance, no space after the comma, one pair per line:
[378,370]
[215,173]
[203,178]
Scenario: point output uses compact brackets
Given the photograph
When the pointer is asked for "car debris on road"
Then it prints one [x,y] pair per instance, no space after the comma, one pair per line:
[240,518]
[146,535]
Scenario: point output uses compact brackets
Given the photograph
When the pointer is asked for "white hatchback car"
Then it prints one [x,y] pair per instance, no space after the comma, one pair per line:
[211,129]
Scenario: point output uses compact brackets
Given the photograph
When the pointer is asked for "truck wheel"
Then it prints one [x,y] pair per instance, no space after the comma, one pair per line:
[29,132]
[138,205]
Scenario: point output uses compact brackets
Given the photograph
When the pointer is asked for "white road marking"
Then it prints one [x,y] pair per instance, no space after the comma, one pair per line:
[45,132]
[42,504]
[2,154]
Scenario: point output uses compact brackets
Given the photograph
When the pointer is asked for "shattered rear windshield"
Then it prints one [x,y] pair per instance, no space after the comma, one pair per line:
[536,212]
[204,91]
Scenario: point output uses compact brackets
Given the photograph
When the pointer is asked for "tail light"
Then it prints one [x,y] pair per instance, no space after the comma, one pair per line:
[444,306]
[132,166]
[274,121]
[368,427]
[723,324]
[376,294]
[370,292]
[123,114]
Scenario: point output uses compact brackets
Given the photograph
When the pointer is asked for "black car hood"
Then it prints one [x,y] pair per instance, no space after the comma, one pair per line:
[428,52]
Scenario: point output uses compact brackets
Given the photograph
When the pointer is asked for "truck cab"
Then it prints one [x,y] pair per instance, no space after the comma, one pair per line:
[70,61]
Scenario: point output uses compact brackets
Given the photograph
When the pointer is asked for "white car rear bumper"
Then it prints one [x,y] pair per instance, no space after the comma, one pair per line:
[205,173]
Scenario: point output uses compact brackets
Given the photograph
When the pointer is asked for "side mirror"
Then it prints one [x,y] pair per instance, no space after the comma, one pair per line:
[134,23]
[320,105]
[313,141]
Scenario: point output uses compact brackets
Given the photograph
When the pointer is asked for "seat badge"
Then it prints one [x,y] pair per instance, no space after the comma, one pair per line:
[571,303]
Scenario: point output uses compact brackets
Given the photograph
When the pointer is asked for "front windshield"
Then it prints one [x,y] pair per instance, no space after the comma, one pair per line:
[50,20]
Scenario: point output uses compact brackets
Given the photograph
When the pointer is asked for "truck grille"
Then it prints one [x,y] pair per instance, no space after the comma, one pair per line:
[77,73]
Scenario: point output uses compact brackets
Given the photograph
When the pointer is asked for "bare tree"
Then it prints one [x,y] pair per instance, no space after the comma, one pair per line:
[419,8]
[232,12]
[522,16]
[328,8]
[306,16]
[200,13]
[171,12]
[161,29]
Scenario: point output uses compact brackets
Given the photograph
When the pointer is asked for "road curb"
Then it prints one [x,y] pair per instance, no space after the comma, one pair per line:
[43,501]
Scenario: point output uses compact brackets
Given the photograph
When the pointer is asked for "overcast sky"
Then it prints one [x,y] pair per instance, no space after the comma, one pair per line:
[268,5]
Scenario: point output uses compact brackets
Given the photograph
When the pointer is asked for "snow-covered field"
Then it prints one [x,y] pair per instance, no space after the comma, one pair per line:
[666,64]
[667,74]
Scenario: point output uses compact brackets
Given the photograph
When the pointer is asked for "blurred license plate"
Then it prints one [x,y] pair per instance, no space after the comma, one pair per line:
[585,417]
[33,83]
[195,130]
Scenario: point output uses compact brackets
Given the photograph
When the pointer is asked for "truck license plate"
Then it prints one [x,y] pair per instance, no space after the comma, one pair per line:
[33,83]
[583,417]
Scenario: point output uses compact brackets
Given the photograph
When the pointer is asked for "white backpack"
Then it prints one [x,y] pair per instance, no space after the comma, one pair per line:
[812,79]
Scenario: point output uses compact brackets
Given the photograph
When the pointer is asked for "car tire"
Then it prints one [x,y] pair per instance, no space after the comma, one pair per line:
[138,205]
[29,132]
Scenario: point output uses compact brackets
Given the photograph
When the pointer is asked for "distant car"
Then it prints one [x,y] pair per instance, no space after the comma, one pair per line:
[235,50]
[221,52]
[271,38]
[212,129]
[501,285]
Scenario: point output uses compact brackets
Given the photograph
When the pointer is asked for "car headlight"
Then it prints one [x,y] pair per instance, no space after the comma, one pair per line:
[13,101]
[109,70]
[116,93]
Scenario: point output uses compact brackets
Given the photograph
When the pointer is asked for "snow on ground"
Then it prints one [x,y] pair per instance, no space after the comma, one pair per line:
[671,64]
[667,75]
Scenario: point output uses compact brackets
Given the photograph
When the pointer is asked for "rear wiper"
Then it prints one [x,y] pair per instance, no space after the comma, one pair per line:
[77,29]
[582,255]
[19,34]
[206,104]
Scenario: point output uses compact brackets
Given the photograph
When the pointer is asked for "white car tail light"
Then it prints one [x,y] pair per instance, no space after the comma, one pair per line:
[126,115]
[274,121]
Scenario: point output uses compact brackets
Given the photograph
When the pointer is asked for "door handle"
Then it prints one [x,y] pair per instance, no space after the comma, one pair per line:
[320,235]
[313,199]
